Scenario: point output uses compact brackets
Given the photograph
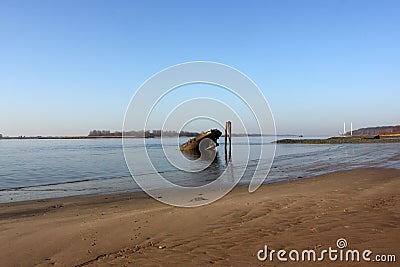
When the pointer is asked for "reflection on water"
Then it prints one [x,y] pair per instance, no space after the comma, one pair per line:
[208,161]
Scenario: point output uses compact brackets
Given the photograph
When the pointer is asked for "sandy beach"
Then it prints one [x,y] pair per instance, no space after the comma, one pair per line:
[360,205]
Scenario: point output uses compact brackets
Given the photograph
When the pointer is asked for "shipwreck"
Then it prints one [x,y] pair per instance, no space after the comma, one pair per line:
[210,141]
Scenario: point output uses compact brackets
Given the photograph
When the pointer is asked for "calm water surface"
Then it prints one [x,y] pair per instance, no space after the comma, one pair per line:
[36,169]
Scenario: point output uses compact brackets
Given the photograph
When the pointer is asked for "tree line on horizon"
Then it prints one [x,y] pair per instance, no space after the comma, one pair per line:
[141,133]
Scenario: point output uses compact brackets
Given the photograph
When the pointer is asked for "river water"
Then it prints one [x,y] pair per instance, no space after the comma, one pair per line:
[37,169]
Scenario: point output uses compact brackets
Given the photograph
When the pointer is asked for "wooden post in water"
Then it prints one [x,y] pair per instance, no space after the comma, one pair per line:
[230,139]
[228,133]
[226,141]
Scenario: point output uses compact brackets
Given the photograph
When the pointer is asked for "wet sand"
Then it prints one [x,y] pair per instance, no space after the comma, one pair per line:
[361,206]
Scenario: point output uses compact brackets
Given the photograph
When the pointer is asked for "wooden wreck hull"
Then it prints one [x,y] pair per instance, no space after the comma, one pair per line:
[193,144]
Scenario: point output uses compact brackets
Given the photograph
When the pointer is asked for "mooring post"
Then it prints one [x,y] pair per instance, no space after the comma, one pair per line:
[226,143]
[228,134]
[230,139]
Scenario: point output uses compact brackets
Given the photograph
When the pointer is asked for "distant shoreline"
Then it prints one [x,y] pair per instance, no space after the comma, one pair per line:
[344,140]
[395,138]
[65,137]
[112,136]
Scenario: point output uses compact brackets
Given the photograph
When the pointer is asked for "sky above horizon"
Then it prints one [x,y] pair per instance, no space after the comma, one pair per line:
[68,67]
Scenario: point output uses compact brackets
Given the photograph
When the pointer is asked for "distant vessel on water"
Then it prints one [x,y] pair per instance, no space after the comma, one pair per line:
[194,143]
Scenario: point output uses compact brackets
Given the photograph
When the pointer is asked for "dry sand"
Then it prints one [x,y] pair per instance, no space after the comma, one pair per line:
[361,206]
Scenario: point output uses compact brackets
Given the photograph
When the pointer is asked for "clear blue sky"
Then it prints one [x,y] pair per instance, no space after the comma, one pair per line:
[67,67]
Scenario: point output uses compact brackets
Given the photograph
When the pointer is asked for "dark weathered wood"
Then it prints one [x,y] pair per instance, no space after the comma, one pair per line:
[193,144]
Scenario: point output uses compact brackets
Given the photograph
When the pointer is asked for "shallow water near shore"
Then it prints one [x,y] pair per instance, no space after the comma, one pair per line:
[36,169]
